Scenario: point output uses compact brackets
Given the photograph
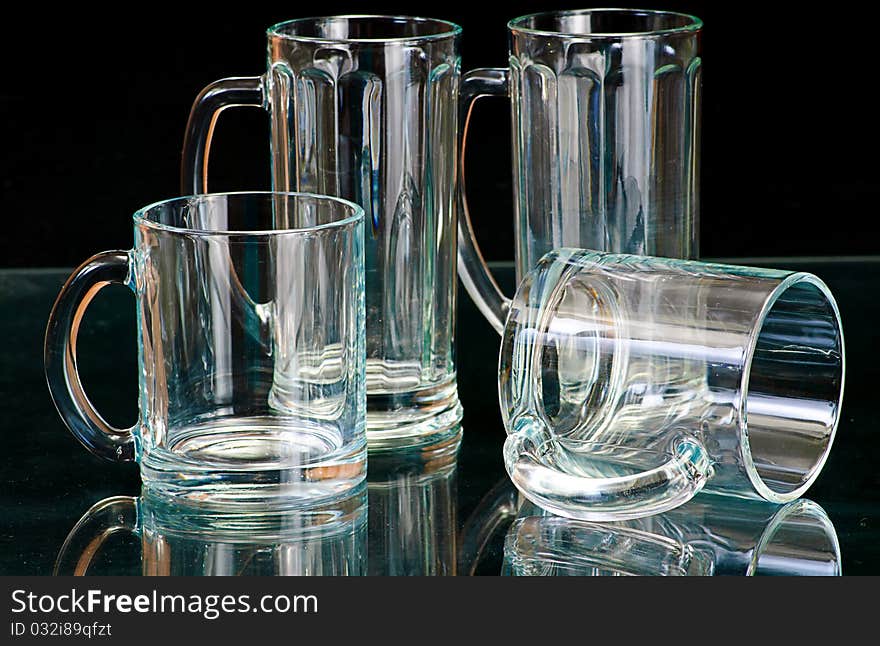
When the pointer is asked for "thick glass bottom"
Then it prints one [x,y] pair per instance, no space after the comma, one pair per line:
[254,461]
[422,416]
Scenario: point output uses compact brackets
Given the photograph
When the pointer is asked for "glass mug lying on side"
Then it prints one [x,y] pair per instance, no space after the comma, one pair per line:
[628,383]
[251,347]
[605,122]
[179,539]
[365,108]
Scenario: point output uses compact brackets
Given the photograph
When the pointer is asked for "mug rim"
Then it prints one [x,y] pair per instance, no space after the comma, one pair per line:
[141,218]
[452,29]
[745,448]
[693,26]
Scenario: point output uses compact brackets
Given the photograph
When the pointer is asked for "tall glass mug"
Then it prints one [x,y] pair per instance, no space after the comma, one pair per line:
[629,383]
[365,108]
[605,125]
[251,348]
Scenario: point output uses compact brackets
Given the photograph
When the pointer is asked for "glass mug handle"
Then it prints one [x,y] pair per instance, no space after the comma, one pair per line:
[59,356]
[234,92]
[104,518]
[472,269]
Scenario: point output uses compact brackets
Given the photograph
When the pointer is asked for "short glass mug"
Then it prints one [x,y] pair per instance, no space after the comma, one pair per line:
[605,121]
[365,108]
[628,383]
[177,539]
[251,344]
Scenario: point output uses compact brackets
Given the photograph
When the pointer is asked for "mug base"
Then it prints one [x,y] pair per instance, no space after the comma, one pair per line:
[254,461]
[428,417]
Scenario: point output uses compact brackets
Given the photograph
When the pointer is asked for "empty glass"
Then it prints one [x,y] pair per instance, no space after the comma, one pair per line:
[628,383]
[710,535]
[251,347]
[605,123]
[192,540]
[365,108]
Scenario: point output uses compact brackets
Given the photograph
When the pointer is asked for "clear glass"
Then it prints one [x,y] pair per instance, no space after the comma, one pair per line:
[710,535]
[365,108]
[605,127]
[628,383]
[251,347]
[177,539]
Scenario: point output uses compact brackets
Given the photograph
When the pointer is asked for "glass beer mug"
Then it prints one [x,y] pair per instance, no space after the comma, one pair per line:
[605,123]
[629,383]
[365,107]
[250,348]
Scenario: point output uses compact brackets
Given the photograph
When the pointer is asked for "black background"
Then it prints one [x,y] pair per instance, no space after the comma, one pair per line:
[93,106]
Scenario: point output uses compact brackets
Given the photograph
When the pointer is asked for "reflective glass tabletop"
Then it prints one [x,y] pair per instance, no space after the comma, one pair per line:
[446,510]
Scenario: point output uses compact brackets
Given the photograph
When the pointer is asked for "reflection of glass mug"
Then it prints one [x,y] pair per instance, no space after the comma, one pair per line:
[179,539]
[412,499]
[494,513]
[250,347]
[365,108]
[710,535]
[628,383]
[605,125]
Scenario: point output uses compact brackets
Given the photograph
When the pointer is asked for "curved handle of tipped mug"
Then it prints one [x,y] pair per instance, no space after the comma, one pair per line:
[552,473]
[111,515]
[59,356]
[243,91]
[472,269]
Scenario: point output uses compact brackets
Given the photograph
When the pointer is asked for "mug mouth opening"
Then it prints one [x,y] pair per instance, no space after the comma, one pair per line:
[792,388]
[249,214]
[605,23]
[357,28]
